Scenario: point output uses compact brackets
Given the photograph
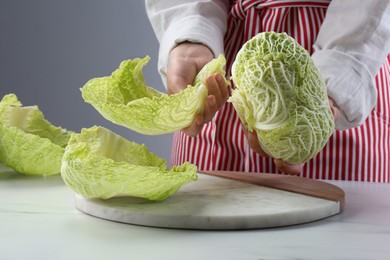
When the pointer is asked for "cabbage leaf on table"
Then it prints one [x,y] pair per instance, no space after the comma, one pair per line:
[101,164]
[29,143]
[281,95]
[125,99]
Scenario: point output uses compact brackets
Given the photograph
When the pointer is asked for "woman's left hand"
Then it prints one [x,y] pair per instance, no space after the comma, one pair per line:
[253,142]
[292,169]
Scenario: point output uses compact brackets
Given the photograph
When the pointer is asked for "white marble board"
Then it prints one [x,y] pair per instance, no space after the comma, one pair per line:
[214,203]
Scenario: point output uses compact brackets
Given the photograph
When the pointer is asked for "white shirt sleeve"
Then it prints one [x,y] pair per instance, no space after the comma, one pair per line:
[176,21]
[352,44]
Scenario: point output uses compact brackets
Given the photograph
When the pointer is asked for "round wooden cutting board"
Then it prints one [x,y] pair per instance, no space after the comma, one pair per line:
[215,203]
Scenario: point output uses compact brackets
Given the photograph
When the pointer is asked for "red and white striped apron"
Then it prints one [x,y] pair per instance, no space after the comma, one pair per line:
[360,154]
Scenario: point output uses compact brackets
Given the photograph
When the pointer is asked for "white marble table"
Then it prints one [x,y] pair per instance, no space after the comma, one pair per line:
[38,220]
[215,203]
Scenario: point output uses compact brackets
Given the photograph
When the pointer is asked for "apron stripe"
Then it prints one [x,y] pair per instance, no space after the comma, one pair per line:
[387,117]
[350,154]
[360,147]
[384,116]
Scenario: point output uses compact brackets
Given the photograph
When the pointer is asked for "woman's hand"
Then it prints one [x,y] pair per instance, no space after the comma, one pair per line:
[185,62]
[334,108]
[292,169]
[285,167]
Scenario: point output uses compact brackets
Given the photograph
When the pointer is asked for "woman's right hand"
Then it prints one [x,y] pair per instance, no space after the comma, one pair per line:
[184,63]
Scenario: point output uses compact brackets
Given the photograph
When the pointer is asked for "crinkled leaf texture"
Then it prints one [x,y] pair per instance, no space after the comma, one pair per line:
[281,95]
[101,164]
[28,142]
[125,99]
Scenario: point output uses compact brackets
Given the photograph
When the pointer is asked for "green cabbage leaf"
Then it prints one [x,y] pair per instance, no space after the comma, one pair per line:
[281,95]
[125,99]
[29,143]
[101,164]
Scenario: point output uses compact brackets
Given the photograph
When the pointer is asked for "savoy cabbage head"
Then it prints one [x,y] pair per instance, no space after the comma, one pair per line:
[281,95]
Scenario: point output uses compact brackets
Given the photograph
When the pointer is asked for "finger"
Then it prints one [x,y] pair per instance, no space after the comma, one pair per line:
[195,127]
[254,144]
[214,90]
[292,169]
[210,108]
[197,124]
[335,110]
[222,87]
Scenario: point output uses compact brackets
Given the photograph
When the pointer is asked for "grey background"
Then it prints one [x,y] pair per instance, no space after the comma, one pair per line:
[50,48]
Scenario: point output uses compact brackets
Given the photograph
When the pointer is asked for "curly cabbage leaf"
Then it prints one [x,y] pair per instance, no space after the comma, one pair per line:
[29,143]
[101,164]
[281,95]
[125,99]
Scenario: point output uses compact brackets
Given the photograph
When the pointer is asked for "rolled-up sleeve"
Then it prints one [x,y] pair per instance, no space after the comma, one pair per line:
[351,46]
[176,21]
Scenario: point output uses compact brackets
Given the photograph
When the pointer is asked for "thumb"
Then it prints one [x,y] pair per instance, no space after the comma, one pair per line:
[179,76]
[177,83]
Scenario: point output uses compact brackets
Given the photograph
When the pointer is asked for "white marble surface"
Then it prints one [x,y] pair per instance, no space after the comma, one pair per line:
[38,220]
[214,203]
